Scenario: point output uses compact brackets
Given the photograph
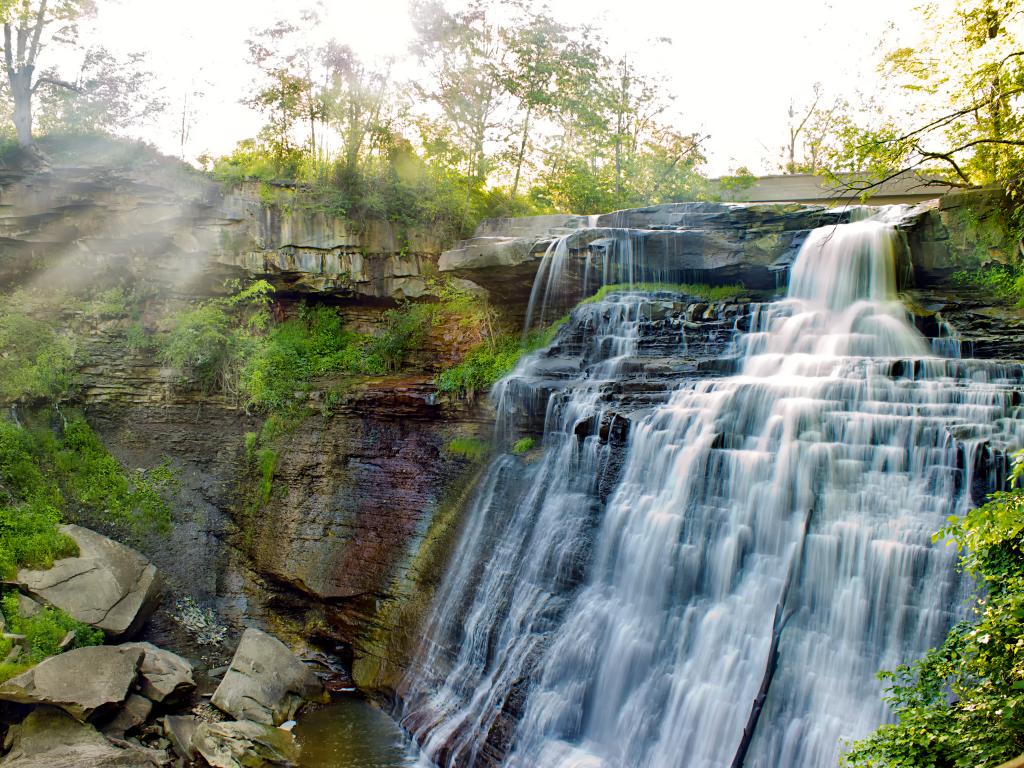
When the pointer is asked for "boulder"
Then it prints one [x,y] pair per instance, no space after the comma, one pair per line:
[245,744]
[265,682]
[134,713]
[108,585]
[164,676]
[180,730]
[82,682]
[50,738]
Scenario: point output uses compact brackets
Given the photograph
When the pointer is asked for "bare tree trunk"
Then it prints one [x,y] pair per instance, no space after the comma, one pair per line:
[21,91]
[522,150]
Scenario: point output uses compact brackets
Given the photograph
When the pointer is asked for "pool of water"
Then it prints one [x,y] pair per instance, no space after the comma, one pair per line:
[352,733]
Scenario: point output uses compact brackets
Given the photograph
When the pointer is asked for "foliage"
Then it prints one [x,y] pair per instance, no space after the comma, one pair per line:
[43,474]
[1005,283]
[962,704]
[202,346]
[266,462]
[45,630]
[37,362]
[468,448]
[523,445]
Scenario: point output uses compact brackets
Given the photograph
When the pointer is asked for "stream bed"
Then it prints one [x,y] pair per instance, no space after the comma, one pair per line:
[352,733]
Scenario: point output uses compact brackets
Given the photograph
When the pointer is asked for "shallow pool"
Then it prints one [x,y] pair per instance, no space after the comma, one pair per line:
[352,733]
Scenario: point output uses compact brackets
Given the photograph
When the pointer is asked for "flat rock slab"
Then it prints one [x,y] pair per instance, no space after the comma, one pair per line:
[245,744]
[163,676]
[50,738]
[80,682]
[108,585]
[265,682]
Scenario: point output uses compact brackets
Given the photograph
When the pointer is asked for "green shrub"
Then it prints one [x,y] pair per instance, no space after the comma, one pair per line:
[523,445]
[962,704]
[1004,283]
[266,461]
[468,448]
[203,346]
[45,630]
[37,363]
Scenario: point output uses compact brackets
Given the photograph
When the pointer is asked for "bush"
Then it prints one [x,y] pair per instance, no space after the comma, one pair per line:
[962,704]
[37,363]
[203,346]
[45,630]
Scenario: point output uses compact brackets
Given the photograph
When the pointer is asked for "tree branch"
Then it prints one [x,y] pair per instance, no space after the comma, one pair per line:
[37,33]
[59,83]
[8,54]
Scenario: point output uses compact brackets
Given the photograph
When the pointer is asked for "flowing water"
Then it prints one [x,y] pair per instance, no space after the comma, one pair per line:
[719,588]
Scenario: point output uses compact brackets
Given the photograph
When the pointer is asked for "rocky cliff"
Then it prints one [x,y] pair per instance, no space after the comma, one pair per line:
[365,497]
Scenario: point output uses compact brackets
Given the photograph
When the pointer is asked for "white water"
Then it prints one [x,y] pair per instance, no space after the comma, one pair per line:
[765,550]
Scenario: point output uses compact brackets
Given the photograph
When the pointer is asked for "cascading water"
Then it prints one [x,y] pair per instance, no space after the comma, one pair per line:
[722,589]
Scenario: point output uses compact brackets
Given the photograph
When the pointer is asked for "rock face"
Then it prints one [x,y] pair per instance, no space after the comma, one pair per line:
[82,682]
[108,585]
[50,738]
[245,744]
[164,677]
[265,682]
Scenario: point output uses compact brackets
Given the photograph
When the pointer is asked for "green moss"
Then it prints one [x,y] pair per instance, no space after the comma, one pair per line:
[468,448]
[266,462]
[522,445]
[695,290]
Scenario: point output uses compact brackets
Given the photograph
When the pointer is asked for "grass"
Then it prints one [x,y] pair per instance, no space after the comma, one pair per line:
[468,448]
[523,445]
[696,290]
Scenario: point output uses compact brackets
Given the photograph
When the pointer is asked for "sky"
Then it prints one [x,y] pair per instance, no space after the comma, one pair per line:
[733,65]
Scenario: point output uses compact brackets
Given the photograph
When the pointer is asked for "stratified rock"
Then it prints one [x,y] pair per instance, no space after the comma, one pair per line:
[81,682]
[50,738]
[108,585]
[245,744]
[133,714]
[164,676]
[265,682]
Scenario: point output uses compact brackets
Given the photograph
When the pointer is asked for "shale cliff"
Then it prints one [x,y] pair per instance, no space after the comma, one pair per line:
[344,549]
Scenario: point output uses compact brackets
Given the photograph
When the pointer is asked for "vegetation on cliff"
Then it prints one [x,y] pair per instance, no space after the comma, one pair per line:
[962,704]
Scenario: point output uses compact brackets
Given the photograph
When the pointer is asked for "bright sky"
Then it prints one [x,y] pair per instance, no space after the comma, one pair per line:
[734,65]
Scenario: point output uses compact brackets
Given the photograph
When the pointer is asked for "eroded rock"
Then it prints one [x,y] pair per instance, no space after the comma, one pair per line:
[245,744]
[135,712]
[108,585]
[50,738]
[265,682]
[163,676]
[82,682]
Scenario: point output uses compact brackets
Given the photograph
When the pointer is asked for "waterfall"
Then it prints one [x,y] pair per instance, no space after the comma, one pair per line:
[720,587]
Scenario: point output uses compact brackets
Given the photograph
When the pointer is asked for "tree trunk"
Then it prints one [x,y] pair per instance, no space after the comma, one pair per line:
[522,150]
[21,91]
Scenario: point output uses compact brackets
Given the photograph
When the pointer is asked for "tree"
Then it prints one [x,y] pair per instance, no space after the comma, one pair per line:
[962,86]
[25,25]
[354,100]
[109,94]
[810,129]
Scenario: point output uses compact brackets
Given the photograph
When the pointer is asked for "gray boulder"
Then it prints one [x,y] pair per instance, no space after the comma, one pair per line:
[265,682]
[180,730]
[82,682]
[245,744]
[135,712]
[108,585]
[163,676]
[50,738]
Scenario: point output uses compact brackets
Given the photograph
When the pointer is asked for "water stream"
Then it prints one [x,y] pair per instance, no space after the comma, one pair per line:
[720,587]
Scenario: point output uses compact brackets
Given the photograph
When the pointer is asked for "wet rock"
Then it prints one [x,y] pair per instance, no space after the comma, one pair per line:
[82,682]
[245,744]
[164,676]
[108,585]
[265,683]
[50,738]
